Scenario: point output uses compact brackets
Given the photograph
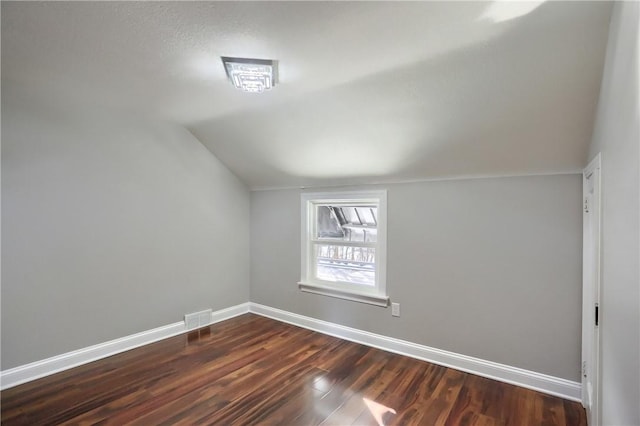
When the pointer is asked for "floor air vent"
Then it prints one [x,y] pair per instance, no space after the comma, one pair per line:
[197,319]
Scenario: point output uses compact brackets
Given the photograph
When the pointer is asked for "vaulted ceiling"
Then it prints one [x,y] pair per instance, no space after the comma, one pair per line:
[367,91]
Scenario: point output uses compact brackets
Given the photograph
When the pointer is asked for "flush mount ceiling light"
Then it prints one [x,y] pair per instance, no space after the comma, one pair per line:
[251,75]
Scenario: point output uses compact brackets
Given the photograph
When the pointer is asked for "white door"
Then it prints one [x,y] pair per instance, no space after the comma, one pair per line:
[591,308]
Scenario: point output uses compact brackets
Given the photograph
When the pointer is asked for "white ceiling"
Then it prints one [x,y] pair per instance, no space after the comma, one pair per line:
[368,92]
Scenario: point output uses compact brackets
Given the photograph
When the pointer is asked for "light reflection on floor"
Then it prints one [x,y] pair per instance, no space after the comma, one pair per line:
[352,405]
[378,410]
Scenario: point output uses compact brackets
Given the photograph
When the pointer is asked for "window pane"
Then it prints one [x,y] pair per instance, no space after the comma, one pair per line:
[354,265]
[327,224]
[360,234]
[347,223]
[350,215]
[366,215]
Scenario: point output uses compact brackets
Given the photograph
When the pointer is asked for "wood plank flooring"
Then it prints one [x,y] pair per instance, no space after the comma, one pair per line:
[252,370]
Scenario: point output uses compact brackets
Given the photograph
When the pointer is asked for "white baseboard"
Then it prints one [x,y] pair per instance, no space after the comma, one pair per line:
[35,370]
[517,376]
[504,373]
[233,311]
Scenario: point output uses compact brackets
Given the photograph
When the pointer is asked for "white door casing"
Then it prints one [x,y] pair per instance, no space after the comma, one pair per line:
[591,304]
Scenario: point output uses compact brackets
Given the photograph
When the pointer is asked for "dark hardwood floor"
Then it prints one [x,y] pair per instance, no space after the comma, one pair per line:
[253,370]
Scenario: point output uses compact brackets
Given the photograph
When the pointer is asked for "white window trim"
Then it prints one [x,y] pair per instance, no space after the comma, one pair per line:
[375,296]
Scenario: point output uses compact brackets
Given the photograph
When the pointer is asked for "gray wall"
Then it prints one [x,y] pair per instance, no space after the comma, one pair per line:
[111,225]
[617,136]
[489,268]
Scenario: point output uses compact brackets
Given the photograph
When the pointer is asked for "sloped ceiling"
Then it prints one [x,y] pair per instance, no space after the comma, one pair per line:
[368,92]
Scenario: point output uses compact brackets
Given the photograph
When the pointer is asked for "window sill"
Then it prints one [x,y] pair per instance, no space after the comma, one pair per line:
[369,298]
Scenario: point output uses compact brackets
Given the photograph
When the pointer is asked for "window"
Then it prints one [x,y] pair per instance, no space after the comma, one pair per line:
[344,245]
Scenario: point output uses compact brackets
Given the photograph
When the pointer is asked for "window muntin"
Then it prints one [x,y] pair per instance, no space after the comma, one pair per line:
[344,237]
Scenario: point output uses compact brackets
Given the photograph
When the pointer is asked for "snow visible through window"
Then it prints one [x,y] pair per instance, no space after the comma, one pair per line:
[348,235]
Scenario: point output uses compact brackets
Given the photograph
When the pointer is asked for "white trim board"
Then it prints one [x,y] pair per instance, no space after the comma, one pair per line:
[35,370]
[516,376]
[380,182]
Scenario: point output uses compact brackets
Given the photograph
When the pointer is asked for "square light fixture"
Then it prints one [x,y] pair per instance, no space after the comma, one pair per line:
[251,75]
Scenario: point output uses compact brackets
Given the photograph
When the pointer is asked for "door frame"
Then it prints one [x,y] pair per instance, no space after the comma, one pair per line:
[591,287]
